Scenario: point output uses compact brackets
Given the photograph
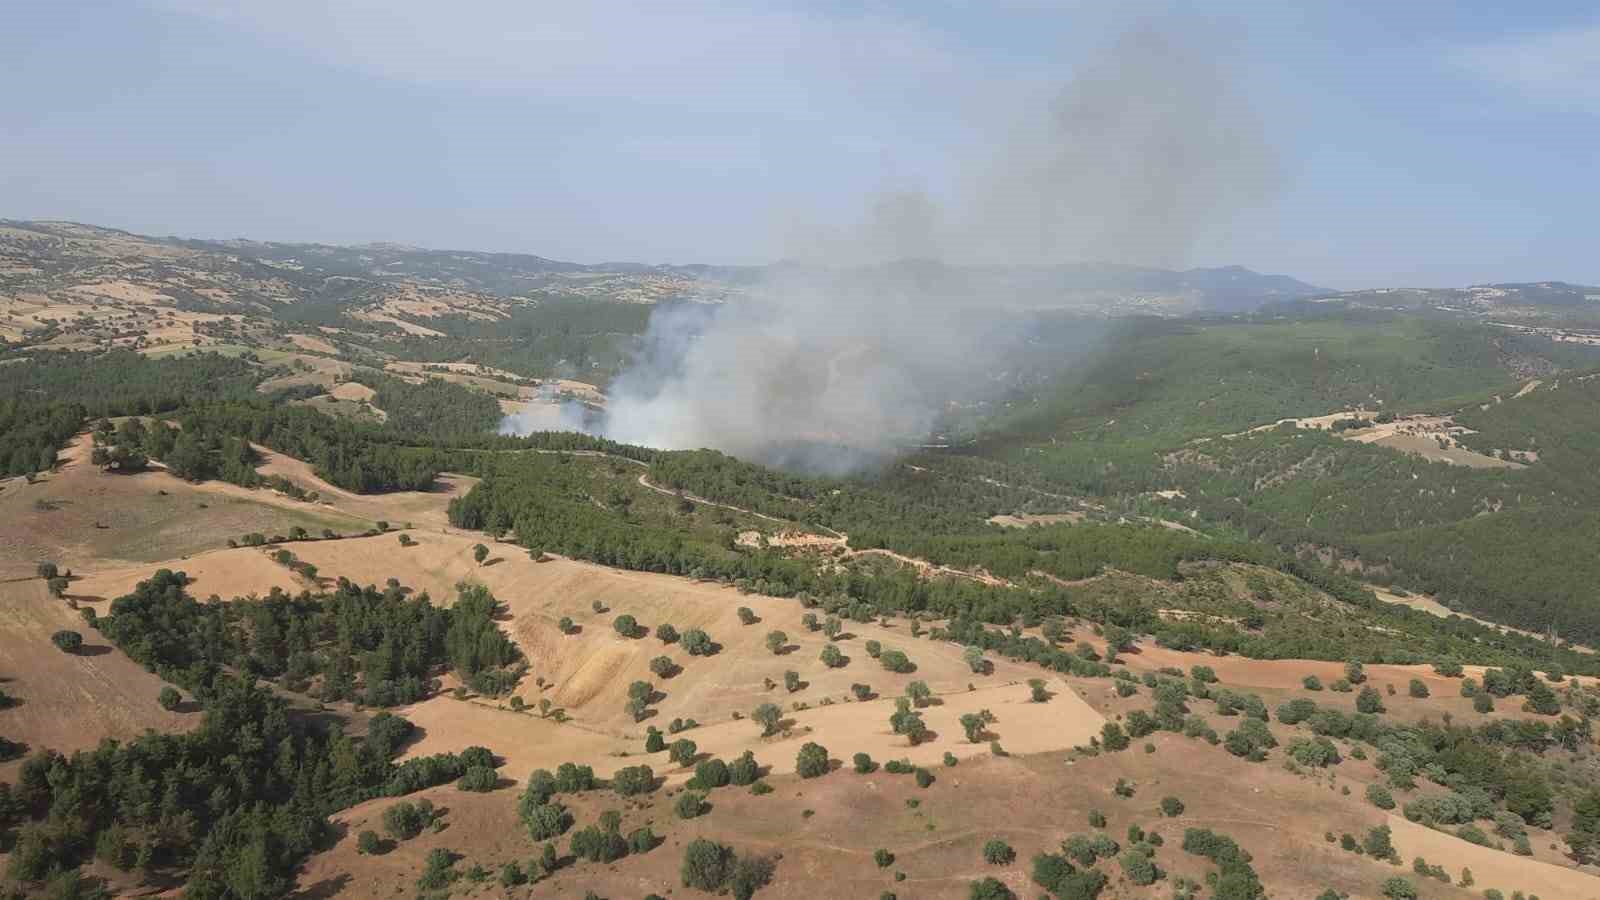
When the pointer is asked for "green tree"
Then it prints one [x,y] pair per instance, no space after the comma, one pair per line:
[767,715]
[812,760]
[706,865]
[479,553]
[67,641]
[169,698]
[776,641]
[998,853]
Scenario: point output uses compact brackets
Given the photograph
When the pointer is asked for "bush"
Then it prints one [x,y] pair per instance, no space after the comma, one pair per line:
[1312,683]
[812,760]
[642,840]
[1399,889]
[405,820]
[998,853]
[895,661]
[478,779]
[712,773]
[749,875]
[1171,807]
[864,764]
[697,643]
[368,843]
[1369,701]
[682,751]
[633,780]
[689,804]
[169,698]
[989,889]
[706,865]
[767,715]
[883,858]
[924,778]
[1418,689]
[67,641]
[747,615]
[744,770]
[627,626]
[438,870]
[1379,796]
[666,634]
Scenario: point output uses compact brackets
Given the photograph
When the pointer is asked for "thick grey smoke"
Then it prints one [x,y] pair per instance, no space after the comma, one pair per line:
[1140,153]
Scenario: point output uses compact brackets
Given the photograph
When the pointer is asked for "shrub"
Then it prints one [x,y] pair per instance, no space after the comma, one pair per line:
[1171,807]
[767,715]
[1418,689]
[438,870]
[747,615]
[67,641]
[1482,703]
[696,642]
[682,751]
[1036,690]
[478,779]
[744,770]
[862,692]
[776,641]
[749,875]
[666,634]
[169,698]
[712,773]
[405,820]
[626,625]
[998,853]
[924,778]
[831,657]
[706,865]
[1379,796]
[368,843]
[812,760]
[689,804]
[895,661]
[1097,819]
[883,858]
[642,840]
[1399,889]
[1112,737]
[863,763]
[633,780]
[989,889]
[1312,683]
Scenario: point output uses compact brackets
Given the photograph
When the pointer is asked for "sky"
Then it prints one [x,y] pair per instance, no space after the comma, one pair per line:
[1424,143]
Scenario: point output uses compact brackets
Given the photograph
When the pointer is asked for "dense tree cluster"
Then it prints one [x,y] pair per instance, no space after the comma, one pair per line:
[231,807]
[380,647]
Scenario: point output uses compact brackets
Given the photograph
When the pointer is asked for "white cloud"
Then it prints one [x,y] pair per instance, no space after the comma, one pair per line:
[1561,68]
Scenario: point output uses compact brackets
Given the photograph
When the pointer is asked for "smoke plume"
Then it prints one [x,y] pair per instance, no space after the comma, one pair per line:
[831,368]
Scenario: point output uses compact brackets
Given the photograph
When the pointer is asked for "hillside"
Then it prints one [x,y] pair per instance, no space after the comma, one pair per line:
[1190,578]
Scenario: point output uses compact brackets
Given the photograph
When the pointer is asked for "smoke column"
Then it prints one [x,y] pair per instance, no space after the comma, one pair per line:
[1144,149]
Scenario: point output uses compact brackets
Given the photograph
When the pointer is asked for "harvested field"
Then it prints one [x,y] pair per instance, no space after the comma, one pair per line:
[1023,521]
[81,517]
[70,701]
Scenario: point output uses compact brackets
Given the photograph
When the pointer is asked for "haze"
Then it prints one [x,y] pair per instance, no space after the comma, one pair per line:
[1409,143]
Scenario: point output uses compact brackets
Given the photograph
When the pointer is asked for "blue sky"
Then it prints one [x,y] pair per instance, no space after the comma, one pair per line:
[1420,143]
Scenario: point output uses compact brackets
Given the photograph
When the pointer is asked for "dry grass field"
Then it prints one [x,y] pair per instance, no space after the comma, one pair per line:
[70,701]
[819,831]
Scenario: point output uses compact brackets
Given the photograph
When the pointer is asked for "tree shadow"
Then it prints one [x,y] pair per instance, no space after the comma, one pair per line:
[493,561]
[92,650]
[187,706]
